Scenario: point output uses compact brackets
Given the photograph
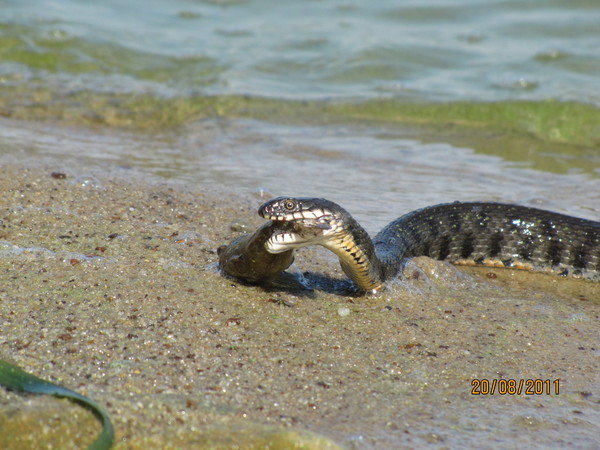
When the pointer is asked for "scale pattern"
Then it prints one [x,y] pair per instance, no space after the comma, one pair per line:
[495,234]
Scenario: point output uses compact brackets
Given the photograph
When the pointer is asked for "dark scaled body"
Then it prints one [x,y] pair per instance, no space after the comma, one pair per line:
[493,234]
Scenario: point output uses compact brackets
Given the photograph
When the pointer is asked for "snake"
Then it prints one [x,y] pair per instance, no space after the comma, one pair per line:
[468,233]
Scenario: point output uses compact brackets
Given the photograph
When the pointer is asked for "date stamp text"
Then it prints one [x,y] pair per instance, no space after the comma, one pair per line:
[502,386]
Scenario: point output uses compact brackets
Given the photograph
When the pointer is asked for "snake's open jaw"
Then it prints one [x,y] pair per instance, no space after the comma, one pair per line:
[304,233]
[282,242]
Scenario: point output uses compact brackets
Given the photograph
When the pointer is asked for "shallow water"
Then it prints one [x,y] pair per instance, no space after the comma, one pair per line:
[375,173]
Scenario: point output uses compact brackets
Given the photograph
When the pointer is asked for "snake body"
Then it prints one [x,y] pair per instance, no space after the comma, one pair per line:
[474,233]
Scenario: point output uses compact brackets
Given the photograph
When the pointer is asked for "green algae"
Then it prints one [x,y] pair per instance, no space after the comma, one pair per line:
[162,93]
[55,51]
[551,121]
[548,135]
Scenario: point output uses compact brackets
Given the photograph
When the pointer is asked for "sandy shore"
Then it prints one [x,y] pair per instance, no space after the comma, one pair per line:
[109,286]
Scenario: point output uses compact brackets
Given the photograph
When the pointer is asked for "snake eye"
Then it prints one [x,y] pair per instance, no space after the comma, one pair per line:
[289,204]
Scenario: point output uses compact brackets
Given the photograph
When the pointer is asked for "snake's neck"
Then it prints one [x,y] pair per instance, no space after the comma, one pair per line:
[356,253]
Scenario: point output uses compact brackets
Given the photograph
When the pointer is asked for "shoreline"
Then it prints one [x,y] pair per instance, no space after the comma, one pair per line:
[112,290]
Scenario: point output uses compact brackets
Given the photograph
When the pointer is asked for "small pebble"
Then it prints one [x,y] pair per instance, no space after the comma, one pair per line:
[343,311]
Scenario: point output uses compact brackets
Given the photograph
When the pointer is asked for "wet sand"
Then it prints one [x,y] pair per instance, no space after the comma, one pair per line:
[109,286]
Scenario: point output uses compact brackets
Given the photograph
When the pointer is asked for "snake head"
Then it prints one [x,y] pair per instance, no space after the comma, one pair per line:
[310,212]
[313,221]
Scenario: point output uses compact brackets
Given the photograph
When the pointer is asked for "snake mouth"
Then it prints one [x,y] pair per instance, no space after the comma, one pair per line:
[304,232]
[284,241]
